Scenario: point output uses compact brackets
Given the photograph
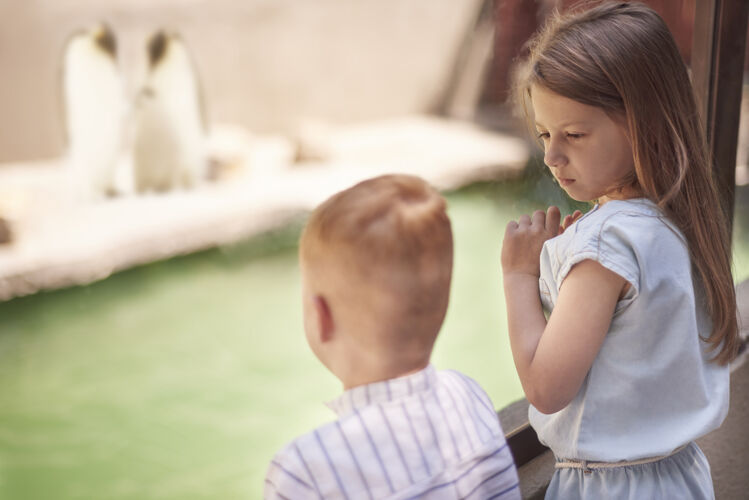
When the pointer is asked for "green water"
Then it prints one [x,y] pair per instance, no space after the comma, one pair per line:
[179,379]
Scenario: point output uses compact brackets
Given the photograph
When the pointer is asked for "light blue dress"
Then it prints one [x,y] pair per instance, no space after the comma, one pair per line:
[652,387]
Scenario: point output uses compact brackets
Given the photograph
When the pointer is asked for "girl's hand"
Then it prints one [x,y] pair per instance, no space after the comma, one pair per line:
[524,239]
[569,220]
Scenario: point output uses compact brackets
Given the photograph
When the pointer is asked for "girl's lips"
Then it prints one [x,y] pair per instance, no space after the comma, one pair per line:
[565,182]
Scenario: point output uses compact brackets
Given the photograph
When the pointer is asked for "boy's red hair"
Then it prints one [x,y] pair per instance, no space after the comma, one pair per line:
[388,235]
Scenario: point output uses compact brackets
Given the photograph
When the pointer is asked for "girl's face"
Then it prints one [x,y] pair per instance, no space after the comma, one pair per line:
[588,152]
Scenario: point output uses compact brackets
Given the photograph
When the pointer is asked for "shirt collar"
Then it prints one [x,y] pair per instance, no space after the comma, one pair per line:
[383,391]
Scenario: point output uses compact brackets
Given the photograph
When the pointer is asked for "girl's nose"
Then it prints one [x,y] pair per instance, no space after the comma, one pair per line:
[553,157]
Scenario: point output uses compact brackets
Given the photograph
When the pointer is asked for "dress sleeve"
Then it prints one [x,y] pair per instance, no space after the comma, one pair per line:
[284,480]
[610,245]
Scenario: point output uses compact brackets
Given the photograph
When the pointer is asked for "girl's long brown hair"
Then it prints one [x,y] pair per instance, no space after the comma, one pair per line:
[621,57]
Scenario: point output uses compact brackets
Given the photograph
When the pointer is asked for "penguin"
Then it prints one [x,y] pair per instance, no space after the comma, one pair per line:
[169,145]
[95,111]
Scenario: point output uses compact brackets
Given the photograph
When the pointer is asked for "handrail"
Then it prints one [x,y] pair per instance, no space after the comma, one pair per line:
[524,444]
[521,437]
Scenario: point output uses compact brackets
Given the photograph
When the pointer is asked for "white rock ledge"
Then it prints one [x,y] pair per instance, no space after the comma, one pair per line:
[59,243]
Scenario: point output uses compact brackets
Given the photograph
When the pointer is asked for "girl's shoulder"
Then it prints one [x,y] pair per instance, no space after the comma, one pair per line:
[642,209]
[631,218]
[622,235]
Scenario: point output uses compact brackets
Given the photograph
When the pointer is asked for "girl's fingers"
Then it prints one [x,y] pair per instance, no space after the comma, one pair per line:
[551,220]
[553,215]
[569,220]
[539,218]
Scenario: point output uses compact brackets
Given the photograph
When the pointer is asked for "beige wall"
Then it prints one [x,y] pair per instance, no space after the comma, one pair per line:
[264,63]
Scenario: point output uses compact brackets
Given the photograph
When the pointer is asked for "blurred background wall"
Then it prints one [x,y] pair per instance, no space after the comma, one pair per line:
[517,20]
[269,65]
[260,61]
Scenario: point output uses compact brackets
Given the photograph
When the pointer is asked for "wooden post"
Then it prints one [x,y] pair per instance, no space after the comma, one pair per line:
[718,49]
[514,22]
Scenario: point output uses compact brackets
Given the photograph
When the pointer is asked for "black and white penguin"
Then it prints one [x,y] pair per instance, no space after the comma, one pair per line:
[95,110]
[169,148]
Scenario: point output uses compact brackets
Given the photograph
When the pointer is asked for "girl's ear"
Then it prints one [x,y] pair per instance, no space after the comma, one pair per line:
[325,323]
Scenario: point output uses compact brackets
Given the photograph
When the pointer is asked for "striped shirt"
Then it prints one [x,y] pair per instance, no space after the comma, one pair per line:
[431,435]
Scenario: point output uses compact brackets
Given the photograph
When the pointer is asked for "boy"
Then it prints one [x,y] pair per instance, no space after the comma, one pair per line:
[376,263]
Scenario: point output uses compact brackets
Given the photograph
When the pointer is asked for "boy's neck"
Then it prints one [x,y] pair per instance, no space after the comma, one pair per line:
[357,378]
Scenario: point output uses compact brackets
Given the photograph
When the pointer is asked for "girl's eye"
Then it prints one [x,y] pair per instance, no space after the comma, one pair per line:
[543,135]
[574,136]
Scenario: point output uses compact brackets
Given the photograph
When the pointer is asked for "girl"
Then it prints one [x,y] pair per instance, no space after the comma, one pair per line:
[631,365]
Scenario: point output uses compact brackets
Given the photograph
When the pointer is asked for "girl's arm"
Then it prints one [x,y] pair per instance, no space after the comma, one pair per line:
[552,358]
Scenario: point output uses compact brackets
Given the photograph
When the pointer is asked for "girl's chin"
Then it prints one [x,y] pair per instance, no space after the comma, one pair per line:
[577,196]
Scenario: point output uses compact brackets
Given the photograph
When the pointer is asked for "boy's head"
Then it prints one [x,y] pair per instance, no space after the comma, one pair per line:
[376,264]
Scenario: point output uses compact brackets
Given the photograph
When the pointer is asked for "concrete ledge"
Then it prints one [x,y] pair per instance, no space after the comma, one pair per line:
[535,474]
[727,448]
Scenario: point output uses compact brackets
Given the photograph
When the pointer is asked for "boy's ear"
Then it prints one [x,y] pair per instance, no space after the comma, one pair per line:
[325,324]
